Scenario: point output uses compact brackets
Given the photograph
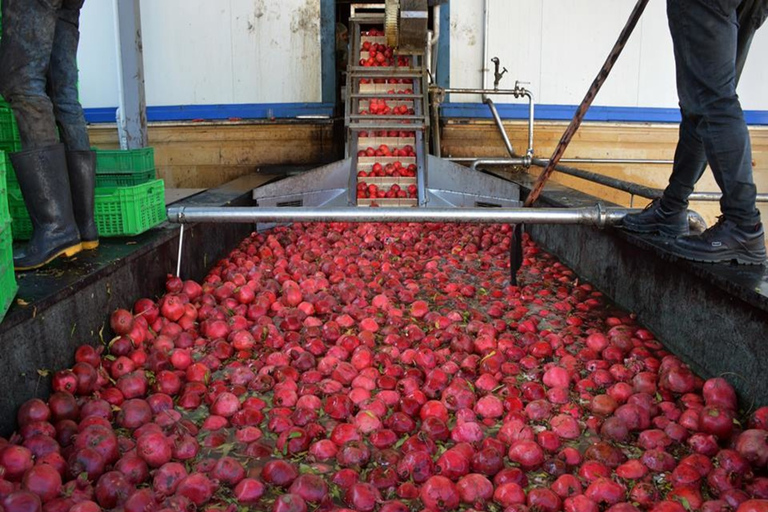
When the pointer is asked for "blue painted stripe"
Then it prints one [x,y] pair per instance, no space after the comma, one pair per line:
[218,112]
[595,113]
[448,110]
[328,49]
[444,47]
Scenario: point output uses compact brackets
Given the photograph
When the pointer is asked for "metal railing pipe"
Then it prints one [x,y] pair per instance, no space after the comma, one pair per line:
[529,94]
[618,161]
[500,126]
[503,92]
[626,186]
[518,160]
[633,188]
[517,92]
[597,215]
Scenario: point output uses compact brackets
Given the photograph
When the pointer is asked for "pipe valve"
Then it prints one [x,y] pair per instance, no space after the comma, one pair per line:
[497,74]
[519,90]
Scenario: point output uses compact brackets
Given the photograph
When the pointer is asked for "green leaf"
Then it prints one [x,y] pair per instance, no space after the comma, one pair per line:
[226,448]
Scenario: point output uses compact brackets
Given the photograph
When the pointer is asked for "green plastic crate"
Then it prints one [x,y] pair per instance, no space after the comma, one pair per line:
[10,176]
[9,132]
[103,178]
[119,211]
[21,226]
[125,211]
[124,167]
[5,216]
[8,286]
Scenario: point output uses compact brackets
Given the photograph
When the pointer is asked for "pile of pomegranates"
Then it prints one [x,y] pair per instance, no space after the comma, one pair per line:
[390,368]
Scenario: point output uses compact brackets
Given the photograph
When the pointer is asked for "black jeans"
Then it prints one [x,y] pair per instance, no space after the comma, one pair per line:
[711,41]
[38,71]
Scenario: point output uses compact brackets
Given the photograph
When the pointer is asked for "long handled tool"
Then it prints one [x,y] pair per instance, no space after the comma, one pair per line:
[578,117]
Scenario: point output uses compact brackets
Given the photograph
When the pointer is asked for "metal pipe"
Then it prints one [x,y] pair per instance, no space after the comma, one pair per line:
[631,188]
[500,126]
[436,137]
[625,186]
[506,92]
[529,94]
[181,246]
[597,215]
[434,48]
[516,92]
[620,161]
[518,160]
[585,160]
[487,22]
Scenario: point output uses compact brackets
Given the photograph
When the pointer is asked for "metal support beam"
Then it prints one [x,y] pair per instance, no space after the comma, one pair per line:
[597,215]
[328,49]
[132,113]
[444,47]
[615,183]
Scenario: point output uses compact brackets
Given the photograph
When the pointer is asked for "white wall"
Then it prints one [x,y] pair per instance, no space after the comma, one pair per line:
[200,52]
[203,52]
[559,45]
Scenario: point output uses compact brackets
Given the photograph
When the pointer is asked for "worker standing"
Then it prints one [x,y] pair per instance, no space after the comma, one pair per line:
[38,77]
[711,40]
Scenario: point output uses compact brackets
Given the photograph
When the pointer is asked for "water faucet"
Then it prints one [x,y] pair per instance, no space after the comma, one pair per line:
[496,74]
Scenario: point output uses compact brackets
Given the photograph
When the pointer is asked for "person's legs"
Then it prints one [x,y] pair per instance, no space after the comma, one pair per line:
[705,34]
[63,78]
[62,88]
[29,28]
[25,54]
[690,159]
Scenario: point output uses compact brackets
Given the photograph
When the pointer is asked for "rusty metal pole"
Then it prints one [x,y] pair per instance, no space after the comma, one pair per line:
[587,101]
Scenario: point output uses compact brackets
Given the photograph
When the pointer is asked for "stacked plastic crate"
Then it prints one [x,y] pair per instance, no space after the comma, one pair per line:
[9,141]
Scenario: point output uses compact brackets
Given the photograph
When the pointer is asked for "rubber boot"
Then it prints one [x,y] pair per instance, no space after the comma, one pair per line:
[82,181]
[44,183]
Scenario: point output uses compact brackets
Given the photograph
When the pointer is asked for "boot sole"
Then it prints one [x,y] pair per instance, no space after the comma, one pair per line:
[89,246]
[68,252]
[740,258]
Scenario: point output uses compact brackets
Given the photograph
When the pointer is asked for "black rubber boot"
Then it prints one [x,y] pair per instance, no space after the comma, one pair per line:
[655,219]
[722,243]
[44,183]
[82,181]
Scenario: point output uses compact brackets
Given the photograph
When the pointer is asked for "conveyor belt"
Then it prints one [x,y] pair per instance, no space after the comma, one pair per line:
[387,121]
[386,116]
